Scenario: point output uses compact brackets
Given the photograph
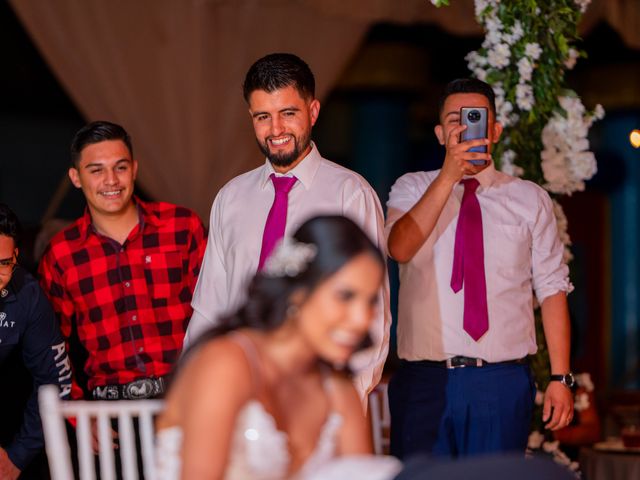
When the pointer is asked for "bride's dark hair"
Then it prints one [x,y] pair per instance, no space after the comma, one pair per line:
[337,241]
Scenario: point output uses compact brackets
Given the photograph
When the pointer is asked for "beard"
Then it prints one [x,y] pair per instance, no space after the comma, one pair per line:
[285,159]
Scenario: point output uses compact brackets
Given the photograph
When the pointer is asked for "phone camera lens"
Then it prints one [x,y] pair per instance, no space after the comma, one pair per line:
[474,116]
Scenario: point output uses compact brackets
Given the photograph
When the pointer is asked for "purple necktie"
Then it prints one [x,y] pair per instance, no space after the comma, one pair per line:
[277,218]
[468,262]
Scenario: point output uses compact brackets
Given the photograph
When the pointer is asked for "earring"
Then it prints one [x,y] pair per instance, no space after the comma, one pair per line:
[292,310]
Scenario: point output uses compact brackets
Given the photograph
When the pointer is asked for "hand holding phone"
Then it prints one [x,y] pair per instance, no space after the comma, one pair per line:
[475,119]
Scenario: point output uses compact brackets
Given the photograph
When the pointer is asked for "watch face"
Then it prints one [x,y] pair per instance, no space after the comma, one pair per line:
[568,380]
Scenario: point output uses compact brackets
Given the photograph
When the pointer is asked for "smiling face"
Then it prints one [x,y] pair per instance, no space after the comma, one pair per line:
[336,316]
[8,255]
[106,174]
[282,122]
[450,116]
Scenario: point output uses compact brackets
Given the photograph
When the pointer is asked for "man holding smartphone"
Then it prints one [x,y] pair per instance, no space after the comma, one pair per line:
[473,244]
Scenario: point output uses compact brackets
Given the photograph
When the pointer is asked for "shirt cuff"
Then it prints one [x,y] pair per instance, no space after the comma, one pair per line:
[564,285]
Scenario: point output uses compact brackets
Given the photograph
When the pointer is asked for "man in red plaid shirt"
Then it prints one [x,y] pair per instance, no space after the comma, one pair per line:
[122,276]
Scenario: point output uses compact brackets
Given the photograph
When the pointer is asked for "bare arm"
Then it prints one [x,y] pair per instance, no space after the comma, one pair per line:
[8,471]
[558,401]
[355,434]
[410,232]
[212,393]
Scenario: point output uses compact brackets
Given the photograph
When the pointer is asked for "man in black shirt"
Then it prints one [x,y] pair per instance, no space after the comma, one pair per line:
[27,323]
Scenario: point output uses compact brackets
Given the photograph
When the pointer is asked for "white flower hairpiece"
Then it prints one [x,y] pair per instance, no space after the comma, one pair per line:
[289,258]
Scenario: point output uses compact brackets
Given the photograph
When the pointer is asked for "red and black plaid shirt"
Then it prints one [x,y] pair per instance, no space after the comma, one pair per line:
[130,303]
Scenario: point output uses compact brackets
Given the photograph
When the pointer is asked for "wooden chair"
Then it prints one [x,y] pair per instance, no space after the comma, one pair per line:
[54,412]
[380,418]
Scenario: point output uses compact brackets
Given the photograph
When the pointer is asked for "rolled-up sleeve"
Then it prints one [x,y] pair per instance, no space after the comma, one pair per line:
[550,273]
[404,194]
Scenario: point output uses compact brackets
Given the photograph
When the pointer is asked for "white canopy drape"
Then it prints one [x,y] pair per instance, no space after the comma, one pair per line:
[171,71]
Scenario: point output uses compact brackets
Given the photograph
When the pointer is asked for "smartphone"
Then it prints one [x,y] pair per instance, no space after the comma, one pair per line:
[475,118]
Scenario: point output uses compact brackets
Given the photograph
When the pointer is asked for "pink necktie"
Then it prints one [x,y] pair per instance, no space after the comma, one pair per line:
[277,218]
[468,262]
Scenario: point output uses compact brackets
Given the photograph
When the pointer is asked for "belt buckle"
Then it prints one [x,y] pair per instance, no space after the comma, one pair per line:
[139,389]
[106,392]
[450,366]
[466,362]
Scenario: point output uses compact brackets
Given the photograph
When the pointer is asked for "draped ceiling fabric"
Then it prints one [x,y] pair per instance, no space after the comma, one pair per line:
[171,71]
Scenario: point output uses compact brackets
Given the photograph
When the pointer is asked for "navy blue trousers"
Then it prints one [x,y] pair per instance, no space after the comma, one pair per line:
[461,411]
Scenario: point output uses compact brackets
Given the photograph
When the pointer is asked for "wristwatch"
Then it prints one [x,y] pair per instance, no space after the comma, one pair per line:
[567,380]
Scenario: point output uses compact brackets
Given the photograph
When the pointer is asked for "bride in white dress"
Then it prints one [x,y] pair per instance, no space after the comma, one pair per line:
[268,395]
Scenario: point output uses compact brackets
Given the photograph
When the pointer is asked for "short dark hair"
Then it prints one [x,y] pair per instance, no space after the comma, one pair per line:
[96,132]
[9,224]
[468,85]
[279,70]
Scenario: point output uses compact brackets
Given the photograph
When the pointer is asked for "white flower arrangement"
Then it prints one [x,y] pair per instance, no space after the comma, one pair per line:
[563,231]
[581,402]
[584,380]
[537,443]
[566,159]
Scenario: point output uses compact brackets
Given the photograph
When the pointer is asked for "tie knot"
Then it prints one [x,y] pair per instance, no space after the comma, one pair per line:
[470,184]
[283,184]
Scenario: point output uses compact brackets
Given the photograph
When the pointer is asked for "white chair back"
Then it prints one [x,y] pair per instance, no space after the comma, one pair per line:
[380,418]
[54,412]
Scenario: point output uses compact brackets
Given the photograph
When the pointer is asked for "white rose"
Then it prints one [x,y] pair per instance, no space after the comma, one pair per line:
[581,402]
[584,380]
[524,96]
[535,440]
[572,58]
[499,56]
[598,112]
[583,4]
[525,69]
[584,165]
[532,50]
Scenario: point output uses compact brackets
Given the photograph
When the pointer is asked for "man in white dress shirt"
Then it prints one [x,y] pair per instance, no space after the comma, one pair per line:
[280,92]
[437,405]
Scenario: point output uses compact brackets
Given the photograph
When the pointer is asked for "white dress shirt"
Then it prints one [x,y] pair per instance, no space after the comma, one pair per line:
[236,226]
[522,253]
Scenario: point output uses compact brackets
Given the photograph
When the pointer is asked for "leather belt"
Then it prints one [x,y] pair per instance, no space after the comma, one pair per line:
[462,362]
[141,388]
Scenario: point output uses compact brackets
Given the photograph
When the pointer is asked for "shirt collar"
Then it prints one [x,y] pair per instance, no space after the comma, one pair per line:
[486,177]
[145,216]
[305,171]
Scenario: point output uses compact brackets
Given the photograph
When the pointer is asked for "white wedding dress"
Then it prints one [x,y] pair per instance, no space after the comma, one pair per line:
[259,451]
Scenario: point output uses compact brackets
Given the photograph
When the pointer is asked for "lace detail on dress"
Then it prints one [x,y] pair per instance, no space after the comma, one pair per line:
[325,450]
[259,450]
